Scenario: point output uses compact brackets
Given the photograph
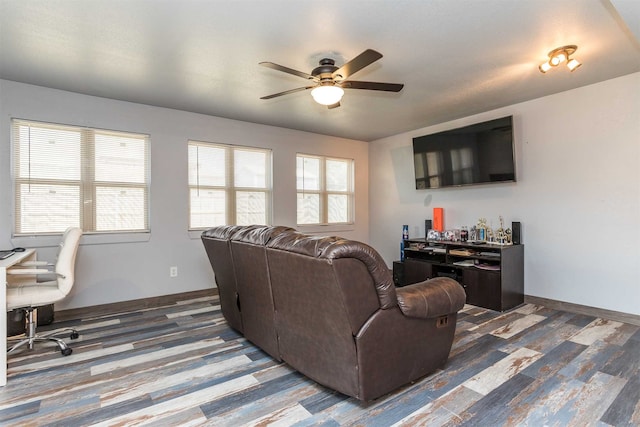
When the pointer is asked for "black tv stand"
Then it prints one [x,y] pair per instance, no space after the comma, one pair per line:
[492,275]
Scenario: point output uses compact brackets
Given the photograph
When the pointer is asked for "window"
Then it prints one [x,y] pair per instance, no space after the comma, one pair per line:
[66,176]
[325,190]
[228,185]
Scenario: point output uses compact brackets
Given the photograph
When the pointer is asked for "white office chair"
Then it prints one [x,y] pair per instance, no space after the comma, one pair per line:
[27,295]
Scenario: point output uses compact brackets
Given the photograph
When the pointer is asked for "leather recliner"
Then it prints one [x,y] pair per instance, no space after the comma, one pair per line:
[335,315]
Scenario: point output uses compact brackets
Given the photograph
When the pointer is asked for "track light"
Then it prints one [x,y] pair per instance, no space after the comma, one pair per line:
[558,56]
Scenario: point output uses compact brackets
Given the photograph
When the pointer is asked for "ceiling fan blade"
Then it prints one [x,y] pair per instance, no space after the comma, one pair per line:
[387,87]
[332,106]
[287,92]
[356,64]
[288,70]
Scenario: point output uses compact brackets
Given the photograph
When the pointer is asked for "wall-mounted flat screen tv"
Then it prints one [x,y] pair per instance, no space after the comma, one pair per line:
[482,153]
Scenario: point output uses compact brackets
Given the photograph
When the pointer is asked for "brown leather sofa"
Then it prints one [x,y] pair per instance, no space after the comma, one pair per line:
[327,306]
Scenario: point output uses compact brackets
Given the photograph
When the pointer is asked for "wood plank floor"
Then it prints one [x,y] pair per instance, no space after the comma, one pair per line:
[180,364]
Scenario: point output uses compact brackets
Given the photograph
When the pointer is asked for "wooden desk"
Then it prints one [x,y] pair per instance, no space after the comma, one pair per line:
[29,254]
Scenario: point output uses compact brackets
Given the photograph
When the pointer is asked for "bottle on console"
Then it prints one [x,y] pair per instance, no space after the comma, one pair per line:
[438,219]
[464,234]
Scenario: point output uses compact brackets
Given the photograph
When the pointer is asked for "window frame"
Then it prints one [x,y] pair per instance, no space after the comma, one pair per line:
[231,191]
[87,185]
[324,194]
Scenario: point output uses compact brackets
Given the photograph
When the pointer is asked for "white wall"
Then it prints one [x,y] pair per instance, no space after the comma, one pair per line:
[577,195]
[123,271]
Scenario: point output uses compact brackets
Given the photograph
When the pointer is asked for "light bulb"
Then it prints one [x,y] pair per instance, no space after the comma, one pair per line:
[573,64]
[544,67]
[327,95]
[559,58]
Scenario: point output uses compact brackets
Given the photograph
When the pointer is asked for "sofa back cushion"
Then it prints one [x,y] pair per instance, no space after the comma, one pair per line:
[254,286]
[217,245]
[375,265]
[324,290]
[314,332]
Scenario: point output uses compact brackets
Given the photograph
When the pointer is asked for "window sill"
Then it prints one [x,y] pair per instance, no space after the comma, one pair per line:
[87,239]
[326,228]
[195,234]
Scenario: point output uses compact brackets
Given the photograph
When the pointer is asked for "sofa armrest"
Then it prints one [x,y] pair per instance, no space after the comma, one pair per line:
[432,298]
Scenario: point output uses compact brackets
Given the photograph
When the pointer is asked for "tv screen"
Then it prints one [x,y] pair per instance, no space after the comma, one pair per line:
[477,154]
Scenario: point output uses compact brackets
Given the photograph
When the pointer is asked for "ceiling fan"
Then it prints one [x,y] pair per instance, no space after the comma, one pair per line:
[329,80]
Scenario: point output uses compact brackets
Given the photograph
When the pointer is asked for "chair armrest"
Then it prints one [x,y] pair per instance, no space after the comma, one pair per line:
[432,298]
[29,271]
[34,264]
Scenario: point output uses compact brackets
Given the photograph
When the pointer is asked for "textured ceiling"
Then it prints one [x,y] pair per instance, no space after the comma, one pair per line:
[455,57]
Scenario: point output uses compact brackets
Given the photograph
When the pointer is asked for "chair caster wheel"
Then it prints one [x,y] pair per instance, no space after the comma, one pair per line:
[74,335]
[67,351]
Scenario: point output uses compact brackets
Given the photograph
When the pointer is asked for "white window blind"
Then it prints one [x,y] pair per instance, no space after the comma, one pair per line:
[325,190]
[228,185]
[66,176]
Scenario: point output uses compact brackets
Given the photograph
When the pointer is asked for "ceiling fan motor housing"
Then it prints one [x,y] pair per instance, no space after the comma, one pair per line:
[325,71]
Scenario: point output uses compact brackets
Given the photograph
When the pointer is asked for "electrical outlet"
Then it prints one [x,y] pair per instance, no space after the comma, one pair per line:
[173,271]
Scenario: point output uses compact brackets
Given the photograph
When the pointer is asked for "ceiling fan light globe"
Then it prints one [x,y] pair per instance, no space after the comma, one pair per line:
[327,95]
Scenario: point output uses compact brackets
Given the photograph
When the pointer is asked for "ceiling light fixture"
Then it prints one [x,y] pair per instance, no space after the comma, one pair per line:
[558,56]
[327,94]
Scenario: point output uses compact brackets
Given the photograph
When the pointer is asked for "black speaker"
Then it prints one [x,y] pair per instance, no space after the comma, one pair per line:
[398,273]
[427,227]
[516,233]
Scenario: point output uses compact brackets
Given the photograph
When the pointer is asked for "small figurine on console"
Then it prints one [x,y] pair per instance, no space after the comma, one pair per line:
[482,229]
